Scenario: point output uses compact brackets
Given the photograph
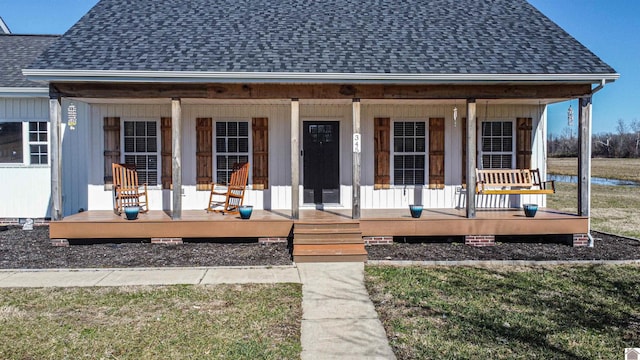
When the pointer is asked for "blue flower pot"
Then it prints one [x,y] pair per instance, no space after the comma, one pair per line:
[132,212]
[245,211]
[530,209]
[416,210]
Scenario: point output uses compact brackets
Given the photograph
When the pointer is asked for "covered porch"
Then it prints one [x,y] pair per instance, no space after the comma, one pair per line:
[319,235]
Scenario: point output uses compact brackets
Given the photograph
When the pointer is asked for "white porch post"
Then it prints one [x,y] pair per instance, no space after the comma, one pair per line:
[176,156]
[584,158]
[55,117]
[471,158]
[295,159]
[357,144]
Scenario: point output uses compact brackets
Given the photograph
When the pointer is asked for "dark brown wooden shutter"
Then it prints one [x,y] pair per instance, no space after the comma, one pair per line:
[204,153]
[382,150]
[464,151]
[523,142]
[166,152]
[436,153]
[260,127]
[111,129]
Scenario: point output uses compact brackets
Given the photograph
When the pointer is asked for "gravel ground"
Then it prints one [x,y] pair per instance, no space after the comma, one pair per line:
[32,250]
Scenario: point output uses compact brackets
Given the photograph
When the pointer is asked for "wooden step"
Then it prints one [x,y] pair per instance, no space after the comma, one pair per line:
[329,253]
[335,236]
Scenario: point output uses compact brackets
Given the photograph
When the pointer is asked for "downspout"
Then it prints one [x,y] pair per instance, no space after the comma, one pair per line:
[591,243]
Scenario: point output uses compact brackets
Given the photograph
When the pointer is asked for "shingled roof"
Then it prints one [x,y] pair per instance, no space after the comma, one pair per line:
[321,36]
[18,51]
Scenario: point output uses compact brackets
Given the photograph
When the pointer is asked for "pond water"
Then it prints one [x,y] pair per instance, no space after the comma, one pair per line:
[594,180]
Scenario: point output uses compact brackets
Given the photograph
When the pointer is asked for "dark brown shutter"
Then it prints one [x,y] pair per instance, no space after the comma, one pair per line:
[523,142]
[382,150]
[204,153]
[436,153]
[260,134]
[464,151]
[165,152]
[111,129]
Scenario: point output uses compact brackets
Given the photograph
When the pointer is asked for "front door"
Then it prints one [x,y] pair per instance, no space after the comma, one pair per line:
[321,149]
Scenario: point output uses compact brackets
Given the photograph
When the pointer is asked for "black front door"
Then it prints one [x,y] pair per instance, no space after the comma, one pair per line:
[321,162]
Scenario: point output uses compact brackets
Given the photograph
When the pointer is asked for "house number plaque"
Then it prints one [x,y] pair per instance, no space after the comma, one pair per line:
[356,143]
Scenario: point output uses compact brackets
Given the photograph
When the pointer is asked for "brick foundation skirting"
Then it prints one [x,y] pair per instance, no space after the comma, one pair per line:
[377,240]
[480,240]
[60,242]
[580,240]
[167,241]
[272,240]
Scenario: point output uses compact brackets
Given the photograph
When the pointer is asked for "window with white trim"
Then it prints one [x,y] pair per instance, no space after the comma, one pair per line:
[24,143]
[409,149]
[232,147]
[141,149]
[38,137]
[497,139]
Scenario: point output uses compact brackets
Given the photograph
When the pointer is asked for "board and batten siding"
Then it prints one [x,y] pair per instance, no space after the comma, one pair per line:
[278,193]
[25,190]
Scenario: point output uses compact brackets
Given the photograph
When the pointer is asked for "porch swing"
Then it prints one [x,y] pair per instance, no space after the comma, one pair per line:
[512,181]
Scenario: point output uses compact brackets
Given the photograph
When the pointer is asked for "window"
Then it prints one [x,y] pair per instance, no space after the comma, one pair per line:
[232,147]
[11,143]
[497,144]
[14,136]
[141,149]
[38,142]
[409,152]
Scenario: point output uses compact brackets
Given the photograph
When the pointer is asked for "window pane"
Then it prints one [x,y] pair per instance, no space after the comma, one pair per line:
[232,129]
[233,145]
[139,128]
[420,129]
[244,128]
[398,144]
[409,145]
[409,128]
[11,142]
[243,145]
[398,128]
[221,145]
[221,129]
[420,145]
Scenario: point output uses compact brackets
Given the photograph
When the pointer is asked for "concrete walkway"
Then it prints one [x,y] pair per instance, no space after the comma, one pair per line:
[338,318]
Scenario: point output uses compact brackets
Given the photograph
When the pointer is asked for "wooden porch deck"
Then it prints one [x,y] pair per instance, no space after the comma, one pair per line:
[278,223]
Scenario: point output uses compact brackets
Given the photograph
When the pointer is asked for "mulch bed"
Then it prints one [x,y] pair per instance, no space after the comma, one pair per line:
[20,249]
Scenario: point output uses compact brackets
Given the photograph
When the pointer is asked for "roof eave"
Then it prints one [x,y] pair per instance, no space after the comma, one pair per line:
[306,78]
[23,92]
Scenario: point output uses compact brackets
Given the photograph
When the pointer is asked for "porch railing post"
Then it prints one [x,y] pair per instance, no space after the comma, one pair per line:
[55,117]
[357,143]
[471,158]
[295,159]
[176,156]
[584,157]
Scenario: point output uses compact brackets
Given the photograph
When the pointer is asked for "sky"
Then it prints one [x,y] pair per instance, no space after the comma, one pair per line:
[606,27]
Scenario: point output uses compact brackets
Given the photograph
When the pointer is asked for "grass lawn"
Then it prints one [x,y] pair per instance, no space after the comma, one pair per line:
[613,208]
[582,312]
[172,322]
[622,169]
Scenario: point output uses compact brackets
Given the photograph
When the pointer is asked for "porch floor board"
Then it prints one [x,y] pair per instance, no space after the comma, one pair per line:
[278,223]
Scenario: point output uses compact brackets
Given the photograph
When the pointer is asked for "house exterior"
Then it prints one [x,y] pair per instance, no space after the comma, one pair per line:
[24,126]
[336,104]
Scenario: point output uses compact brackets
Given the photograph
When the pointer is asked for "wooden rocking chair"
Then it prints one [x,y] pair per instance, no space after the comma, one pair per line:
[126,190]
[226,199]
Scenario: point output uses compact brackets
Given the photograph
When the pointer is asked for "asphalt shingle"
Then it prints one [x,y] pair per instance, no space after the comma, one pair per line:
[18,51]
[321,36]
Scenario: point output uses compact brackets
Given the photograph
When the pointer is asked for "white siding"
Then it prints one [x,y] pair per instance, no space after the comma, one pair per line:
[25,190]
[278,195]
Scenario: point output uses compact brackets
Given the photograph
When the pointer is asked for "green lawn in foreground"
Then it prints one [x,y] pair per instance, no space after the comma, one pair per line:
[585,312]
[174,322]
